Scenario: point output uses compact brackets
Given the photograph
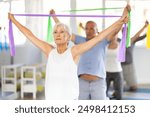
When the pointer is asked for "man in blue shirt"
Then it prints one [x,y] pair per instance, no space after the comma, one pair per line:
[91,67]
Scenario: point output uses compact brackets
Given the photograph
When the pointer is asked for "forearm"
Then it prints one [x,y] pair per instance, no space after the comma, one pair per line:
[140,31]
[81,48]
[141,38]
[135,38]
[56,20]
[45,47]
[110,32]
[111,36]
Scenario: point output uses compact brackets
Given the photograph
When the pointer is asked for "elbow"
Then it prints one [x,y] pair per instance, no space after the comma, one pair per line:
[28,34]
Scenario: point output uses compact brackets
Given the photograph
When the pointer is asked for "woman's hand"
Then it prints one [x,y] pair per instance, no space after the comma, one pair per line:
[10,16]
[125,17]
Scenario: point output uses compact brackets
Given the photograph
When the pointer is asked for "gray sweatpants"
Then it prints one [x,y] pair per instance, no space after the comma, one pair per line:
[92,90]
[129,74]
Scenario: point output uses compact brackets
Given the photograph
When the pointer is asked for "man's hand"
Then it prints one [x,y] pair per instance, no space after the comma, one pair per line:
[146,23]
[52,12]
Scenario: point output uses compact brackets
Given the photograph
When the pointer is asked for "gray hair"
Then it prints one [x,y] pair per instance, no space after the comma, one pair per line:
[95,27]
[64,26]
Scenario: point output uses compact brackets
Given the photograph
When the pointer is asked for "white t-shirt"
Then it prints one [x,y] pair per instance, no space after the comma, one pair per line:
[111,63]
[61,77]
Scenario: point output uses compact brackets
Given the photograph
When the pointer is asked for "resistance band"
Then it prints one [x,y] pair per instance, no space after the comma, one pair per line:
[3,36]
[128,40]
[5,43]
[148,37]
[58,15]
[11,38]
[75,10]
[49,31]
[122,46]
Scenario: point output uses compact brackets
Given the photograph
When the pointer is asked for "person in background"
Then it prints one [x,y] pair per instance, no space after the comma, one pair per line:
[128,66]
[114,69]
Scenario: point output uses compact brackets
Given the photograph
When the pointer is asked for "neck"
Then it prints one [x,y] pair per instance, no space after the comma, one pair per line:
[61,48]
[91,37]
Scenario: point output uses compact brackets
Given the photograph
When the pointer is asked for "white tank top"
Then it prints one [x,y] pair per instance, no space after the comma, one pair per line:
[61,77]
[112,64]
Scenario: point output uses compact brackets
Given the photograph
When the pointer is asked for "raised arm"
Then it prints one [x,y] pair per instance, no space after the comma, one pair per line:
[56,20]
[111,36]
[52,12]
[81,48]
[45,47]
[137,37]
[81,26]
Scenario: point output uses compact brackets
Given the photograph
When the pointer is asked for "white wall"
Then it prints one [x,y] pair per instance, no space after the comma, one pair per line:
[142,64]
[29,53]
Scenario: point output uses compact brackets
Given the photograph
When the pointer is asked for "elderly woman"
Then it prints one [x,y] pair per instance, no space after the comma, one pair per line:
[61,72]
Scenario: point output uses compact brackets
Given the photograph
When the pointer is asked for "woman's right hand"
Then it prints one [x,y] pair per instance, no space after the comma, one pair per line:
[10,16]
[125,17]
[127,9]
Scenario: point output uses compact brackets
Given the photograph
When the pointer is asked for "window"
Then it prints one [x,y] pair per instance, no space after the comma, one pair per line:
[4,8]
[58,6]
[89,4]
[140,12]
[19,39]
[114,4]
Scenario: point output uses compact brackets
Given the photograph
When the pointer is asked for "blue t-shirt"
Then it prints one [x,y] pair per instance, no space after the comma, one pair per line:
[92,61]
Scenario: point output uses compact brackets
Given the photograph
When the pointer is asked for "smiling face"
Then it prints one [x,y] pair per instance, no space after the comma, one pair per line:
[61,34]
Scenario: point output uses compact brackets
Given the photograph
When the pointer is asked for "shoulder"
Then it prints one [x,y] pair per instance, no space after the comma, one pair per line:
[53,50]
[105,42]
[79,39]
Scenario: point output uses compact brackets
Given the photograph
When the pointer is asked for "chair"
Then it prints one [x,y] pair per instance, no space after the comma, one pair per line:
[31,79]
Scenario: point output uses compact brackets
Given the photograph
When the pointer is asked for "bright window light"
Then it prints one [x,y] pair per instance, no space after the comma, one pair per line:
[88,4]
[19,39]
[58,6]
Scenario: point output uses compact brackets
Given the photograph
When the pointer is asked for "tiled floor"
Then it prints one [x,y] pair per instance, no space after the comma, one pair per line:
[143,93]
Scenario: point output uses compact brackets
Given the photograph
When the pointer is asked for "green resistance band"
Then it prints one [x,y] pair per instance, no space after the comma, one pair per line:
[128,41]
[49,31]
[92,9]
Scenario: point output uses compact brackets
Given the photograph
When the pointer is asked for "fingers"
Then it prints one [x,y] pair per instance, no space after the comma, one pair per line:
[125,17]
[80,24]
[9,16]
[52,11]
[128,7]
[146,22]
[126,20]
